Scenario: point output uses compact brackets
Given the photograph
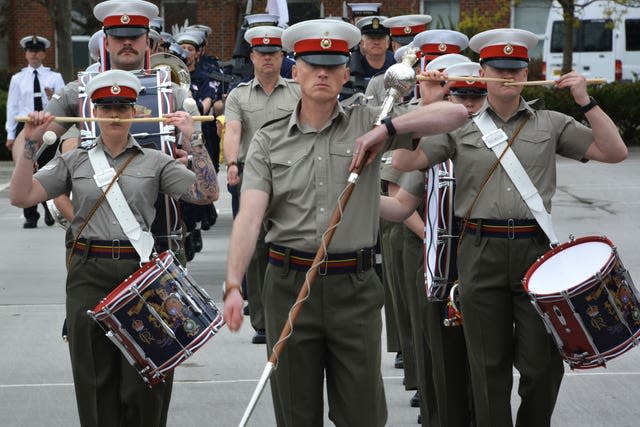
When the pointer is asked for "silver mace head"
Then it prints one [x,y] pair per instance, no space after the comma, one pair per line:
[401,76]
[399,80]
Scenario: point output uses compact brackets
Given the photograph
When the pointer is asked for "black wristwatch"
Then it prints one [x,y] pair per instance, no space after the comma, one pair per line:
[592,103]
[391,130]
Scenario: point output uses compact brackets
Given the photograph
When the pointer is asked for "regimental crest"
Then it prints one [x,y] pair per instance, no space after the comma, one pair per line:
[508,49]
[325,43]
[266,40]
[407,30]
[593,310]
[375,23]
[125,19]
[442,47]
[115,89]
[34,39]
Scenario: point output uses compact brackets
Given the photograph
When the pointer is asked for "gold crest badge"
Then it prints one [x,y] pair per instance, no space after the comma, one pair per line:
[125,19]
[325,43]
[442,47]
[265,40]
[508,49]
[115,89]
[375,23]
[407,30]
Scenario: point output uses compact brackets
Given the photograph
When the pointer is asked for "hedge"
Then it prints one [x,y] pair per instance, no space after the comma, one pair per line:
[621,100]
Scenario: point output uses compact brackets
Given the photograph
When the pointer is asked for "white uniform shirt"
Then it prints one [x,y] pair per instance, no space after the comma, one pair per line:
[20,97]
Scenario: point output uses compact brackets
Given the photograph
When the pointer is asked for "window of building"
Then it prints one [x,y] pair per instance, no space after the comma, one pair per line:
[531,15]
[80,48]
[303,10]
[445,14]
[175,12]
[632,31]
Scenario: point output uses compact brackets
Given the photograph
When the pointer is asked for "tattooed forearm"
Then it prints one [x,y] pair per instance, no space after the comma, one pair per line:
[205,190]
[30,149]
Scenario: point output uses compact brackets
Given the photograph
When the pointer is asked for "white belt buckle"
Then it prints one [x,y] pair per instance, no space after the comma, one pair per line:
[494,138]
[104,178]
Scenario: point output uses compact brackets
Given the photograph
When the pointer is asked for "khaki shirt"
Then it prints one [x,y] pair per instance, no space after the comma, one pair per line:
[413,183]
[250,105]
[545,134]
[304,172]
[376,90]
[150,172]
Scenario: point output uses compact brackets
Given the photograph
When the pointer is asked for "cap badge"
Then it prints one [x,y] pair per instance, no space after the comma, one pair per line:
[265,40]
[508,49]
[442,47]
[115,89]
[375,23]
[34,39]
[325,43]
[407,30]
[125,19]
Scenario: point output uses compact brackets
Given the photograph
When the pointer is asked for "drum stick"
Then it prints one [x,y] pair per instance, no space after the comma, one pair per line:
[61,119]
[49,138]
[550,82]
[465,79]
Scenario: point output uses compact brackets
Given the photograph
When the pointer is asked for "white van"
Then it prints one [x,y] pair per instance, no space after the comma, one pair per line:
[603,47]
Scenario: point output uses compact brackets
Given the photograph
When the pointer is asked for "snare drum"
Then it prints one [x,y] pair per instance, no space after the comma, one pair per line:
[441,232]
[587,301]
[158,317]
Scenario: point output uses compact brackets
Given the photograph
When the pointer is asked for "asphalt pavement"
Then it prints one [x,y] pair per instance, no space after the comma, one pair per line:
[213,387]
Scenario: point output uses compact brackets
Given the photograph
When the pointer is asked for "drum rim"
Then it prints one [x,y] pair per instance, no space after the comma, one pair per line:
[554,251]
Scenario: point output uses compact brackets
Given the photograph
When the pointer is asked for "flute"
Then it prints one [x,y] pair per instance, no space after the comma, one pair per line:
[62,119]
[550,82]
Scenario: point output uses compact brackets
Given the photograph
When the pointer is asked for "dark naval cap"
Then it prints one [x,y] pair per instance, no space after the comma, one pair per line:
[34,43]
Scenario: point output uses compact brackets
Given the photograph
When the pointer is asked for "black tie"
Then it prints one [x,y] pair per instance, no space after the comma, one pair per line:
[37,96]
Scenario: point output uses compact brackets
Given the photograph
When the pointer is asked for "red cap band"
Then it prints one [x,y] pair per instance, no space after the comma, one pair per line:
[321,45]
[457,85]
[513,51]
[408,30]
[438,49]
[114,92]
[266,41]
[125,21]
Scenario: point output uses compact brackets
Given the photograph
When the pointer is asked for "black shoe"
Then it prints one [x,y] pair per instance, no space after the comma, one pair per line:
[399,363]
[189,253]
[30,223]
[245,310]
[419,419]
[259,337]
[196,237]
[48,219]
[415,400]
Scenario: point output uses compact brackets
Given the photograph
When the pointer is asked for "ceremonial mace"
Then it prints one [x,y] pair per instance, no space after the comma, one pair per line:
[399,80]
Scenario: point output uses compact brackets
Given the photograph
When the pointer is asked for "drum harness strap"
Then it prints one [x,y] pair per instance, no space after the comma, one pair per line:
[98,203]
[496,140]
[106,178]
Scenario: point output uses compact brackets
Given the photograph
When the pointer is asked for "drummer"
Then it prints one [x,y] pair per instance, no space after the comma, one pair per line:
[502,238]
[108,389]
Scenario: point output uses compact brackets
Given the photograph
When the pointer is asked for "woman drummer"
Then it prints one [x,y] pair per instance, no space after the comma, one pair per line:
[108,389]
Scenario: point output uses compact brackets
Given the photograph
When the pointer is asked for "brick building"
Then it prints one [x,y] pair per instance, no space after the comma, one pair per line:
[224,17]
